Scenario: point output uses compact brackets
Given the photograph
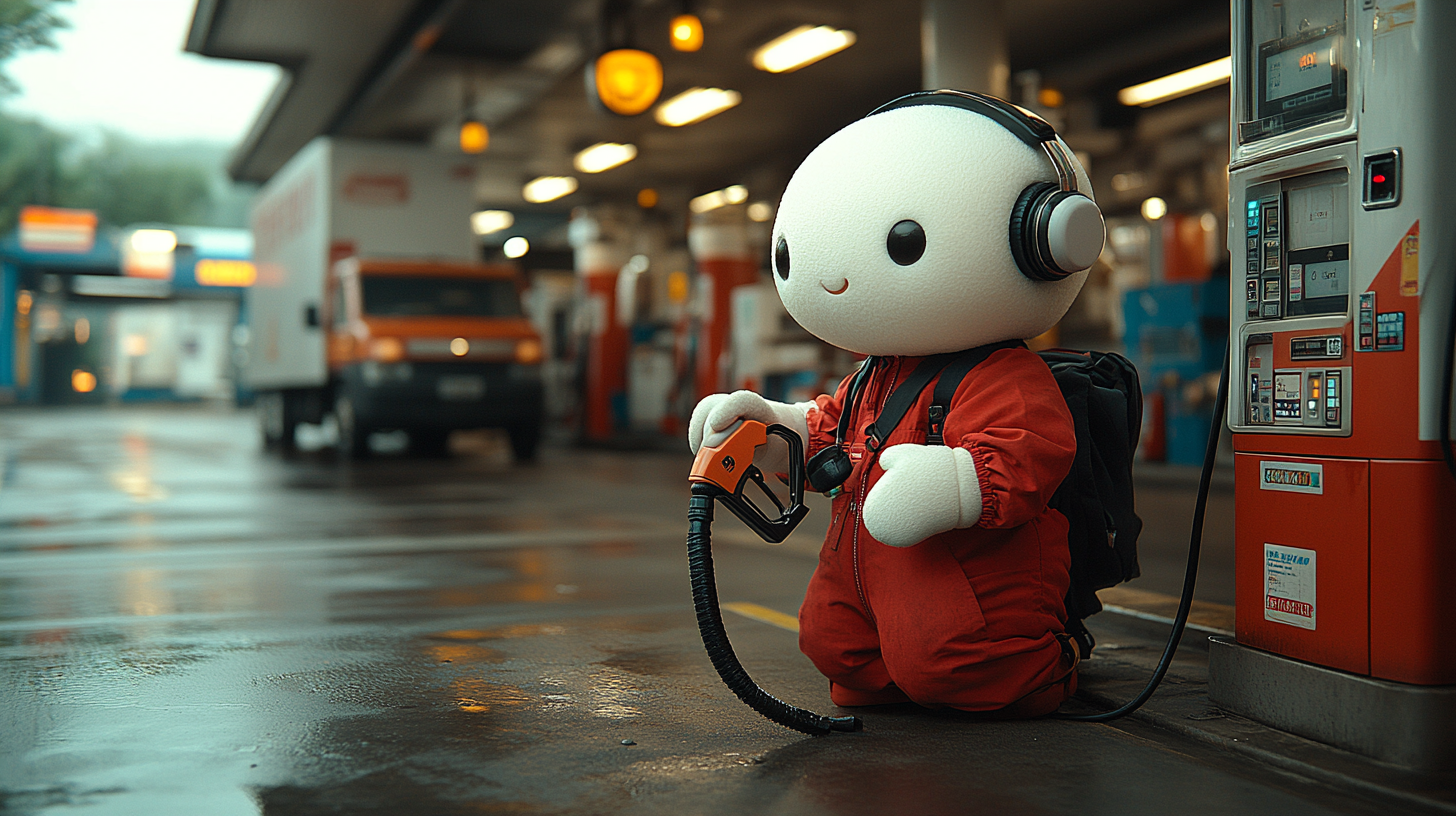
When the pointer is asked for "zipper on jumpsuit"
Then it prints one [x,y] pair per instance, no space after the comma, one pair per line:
[856,506]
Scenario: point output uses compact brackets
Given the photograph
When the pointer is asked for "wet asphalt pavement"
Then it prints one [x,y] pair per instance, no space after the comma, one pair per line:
[191,626]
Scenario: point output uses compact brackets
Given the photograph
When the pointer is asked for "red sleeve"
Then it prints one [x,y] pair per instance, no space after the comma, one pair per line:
[1010,414]
[823,418]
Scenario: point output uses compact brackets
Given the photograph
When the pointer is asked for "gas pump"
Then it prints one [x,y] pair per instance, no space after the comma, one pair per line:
[1343,217]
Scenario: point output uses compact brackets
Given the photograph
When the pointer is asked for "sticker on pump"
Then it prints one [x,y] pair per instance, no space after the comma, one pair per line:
[1410,266]
[1293,477]
[1289,578]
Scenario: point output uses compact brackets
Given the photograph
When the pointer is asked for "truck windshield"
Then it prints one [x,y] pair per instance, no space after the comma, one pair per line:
[406,296]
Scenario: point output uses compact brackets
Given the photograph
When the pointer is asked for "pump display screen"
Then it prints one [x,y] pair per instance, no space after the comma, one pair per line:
[1294,58]
[1304,71]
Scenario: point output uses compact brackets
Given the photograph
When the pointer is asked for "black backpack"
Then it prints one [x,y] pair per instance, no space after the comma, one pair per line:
[1106,401]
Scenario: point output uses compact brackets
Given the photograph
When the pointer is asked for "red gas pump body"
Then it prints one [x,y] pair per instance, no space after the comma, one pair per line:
[1343,223]
[606,357]
[1339,168]
[1373,509]
[725,260]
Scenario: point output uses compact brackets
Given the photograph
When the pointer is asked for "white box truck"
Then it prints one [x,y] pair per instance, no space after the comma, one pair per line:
[370,304]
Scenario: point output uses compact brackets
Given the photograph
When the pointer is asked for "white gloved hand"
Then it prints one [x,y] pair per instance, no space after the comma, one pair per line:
[925,489]
[717,416]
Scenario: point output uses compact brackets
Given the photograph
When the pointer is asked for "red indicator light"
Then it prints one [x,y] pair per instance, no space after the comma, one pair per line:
[1379,178]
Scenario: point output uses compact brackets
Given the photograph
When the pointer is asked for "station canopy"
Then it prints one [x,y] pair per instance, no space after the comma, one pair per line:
[413,70]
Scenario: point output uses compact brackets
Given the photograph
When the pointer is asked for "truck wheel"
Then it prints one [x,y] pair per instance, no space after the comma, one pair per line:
[276,421]
[353,434]
[430,442]
[525,439]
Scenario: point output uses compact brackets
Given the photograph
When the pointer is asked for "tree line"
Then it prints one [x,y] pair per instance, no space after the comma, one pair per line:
[123,180]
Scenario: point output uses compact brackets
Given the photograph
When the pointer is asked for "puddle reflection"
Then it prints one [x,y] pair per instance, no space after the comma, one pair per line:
[135,479]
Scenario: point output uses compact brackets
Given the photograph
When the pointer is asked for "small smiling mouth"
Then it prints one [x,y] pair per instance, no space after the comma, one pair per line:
[844,284]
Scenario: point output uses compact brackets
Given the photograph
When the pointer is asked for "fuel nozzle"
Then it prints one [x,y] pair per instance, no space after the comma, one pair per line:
[724,472]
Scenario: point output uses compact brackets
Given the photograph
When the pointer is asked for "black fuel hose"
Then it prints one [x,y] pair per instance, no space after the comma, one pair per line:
[1190,576]
[715,638]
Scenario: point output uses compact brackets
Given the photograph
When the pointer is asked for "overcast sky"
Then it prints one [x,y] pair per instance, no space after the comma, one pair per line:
[121,66]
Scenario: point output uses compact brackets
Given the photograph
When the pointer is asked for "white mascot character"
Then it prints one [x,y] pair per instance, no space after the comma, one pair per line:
[942,222]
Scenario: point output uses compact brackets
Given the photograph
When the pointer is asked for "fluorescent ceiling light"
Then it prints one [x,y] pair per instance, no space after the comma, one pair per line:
[548,188]
[802,46]
[695,105]
[737,194]
[153,240]
[604,156]
[487,221]
[1182,83]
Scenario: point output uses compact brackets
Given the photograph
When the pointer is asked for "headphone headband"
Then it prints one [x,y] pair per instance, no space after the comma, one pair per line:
[1032,130]
[1023,124]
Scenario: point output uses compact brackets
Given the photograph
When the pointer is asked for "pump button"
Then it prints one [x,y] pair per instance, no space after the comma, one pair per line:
[1382,180]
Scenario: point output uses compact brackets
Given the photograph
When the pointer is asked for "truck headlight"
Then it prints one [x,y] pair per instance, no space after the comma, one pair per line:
[386,349]
[528,351]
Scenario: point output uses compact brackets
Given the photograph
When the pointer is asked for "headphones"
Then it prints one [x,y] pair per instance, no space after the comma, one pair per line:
[1056,230]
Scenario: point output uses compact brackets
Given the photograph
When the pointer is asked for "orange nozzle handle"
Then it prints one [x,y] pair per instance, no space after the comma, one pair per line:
[723,471]
[726,465]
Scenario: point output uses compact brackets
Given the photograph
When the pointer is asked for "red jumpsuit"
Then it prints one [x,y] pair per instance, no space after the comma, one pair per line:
[967,618]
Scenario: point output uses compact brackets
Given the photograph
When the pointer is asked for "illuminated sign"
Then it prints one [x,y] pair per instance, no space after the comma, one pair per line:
[149,253]
[52,229]
[218,272]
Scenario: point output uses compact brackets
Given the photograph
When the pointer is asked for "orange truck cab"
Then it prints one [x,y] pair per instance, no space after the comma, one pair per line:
[430,347]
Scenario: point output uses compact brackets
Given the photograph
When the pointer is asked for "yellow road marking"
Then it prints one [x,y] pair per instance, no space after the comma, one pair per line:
[763,614]
[1211,617]
[1140,603]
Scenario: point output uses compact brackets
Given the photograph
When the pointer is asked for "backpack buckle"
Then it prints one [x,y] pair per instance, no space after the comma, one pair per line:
[937,424]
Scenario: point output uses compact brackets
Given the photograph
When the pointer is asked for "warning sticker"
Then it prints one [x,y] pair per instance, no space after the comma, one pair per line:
[1410,266]
[1289,574]
[1293,477]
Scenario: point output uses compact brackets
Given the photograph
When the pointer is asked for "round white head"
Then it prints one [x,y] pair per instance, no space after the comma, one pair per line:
[946,280]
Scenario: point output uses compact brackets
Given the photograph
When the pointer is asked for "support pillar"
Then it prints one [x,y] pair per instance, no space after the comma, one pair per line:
[963,46]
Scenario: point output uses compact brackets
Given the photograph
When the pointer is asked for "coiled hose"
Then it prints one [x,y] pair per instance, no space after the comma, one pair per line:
[715,638]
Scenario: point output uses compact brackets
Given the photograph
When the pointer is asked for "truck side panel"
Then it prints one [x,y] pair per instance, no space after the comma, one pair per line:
[397,201]
[291,250]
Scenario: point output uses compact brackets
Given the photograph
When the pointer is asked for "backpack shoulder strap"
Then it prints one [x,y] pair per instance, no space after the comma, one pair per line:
[851,398]
[950,380]
[902,398]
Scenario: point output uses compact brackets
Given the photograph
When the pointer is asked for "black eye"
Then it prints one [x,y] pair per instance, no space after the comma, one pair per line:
[905,243]
[781,257]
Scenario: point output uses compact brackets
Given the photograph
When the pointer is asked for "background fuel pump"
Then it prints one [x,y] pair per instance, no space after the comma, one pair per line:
[1342,218]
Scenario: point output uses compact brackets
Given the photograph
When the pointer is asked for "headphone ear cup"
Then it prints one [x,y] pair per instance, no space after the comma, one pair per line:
[1074,232]
[1023,232]
[1054,232]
